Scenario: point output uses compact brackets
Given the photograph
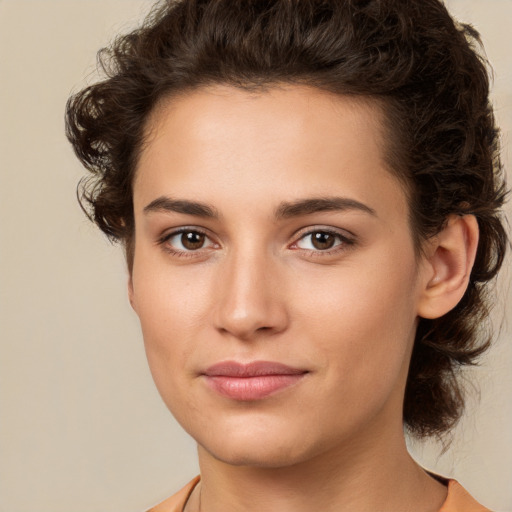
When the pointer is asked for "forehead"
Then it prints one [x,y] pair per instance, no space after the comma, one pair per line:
[285,142]
[264,115]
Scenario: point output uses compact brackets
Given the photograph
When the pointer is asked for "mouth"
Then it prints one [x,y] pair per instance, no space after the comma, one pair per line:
[252,381]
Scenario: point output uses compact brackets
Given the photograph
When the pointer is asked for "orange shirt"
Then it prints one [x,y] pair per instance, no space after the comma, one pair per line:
[457,500]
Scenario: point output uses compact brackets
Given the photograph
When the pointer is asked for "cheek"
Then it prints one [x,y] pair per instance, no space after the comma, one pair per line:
[364,323]
[167,299]
[170,307]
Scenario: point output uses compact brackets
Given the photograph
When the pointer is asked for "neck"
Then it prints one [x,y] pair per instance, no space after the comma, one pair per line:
[366,474]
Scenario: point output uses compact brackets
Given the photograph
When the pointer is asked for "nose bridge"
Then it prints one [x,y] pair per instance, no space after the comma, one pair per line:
[248,295]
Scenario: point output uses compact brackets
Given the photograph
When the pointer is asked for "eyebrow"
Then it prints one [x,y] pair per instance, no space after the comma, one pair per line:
[166,204]
[285,210]
[321,204]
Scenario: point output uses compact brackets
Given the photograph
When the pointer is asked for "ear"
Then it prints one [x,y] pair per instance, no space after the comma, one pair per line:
[131,293]
[450,258]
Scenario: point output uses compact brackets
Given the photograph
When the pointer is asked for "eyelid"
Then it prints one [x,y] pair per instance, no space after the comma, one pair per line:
[346,237]
[342,233]
[167,235]
[182,229]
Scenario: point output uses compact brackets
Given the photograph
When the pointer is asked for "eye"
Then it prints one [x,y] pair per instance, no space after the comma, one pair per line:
[321,240]
[186,240]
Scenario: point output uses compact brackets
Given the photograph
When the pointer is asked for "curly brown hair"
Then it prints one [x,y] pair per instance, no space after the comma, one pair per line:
[410,56]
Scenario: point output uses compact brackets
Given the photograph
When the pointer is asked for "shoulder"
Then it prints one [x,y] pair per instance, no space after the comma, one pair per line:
[459,500]
[177,501]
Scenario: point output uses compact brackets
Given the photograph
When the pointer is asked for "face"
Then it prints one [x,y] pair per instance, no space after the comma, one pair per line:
[274,272]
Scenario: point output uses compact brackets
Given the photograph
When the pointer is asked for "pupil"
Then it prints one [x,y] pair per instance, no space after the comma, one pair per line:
[192,240]
[322,240]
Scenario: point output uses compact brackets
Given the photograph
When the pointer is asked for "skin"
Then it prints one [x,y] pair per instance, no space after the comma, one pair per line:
[259,289]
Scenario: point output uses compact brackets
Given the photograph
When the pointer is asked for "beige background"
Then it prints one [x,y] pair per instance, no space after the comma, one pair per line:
[82,428]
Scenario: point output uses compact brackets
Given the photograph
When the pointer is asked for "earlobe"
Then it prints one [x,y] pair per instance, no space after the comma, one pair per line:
[451,257]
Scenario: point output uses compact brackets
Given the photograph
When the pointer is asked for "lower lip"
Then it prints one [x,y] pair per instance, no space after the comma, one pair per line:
[251,388]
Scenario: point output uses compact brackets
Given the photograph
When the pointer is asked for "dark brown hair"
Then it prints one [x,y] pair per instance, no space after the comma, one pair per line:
[410,56]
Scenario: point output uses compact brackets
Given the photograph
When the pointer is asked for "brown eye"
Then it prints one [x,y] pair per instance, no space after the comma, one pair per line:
[192,240]
[186,241]
[322,240]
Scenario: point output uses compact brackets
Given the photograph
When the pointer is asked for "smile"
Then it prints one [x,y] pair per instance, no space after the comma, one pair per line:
[253,381]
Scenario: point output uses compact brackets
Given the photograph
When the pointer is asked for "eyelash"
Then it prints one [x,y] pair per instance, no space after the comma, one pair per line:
[177,252]
[345,242]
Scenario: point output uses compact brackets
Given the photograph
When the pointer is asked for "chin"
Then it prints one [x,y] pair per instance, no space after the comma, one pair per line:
[263,456]
[251,438]
[259,448]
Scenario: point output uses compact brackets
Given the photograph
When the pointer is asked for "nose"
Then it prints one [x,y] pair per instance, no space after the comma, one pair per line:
[250,297]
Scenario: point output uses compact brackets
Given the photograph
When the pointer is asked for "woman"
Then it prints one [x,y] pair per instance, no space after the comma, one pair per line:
[308,194]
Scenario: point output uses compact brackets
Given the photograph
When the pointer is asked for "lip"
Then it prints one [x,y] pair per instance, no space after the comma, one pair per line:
[251,381]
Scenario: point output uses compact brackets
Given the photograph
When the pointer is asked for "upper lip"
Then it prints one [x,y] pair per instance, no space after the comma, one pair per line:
[252,369]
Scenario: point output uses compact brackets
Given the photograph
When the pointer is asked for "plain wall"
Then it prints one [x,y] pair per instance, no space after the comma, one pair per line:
[82,428]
